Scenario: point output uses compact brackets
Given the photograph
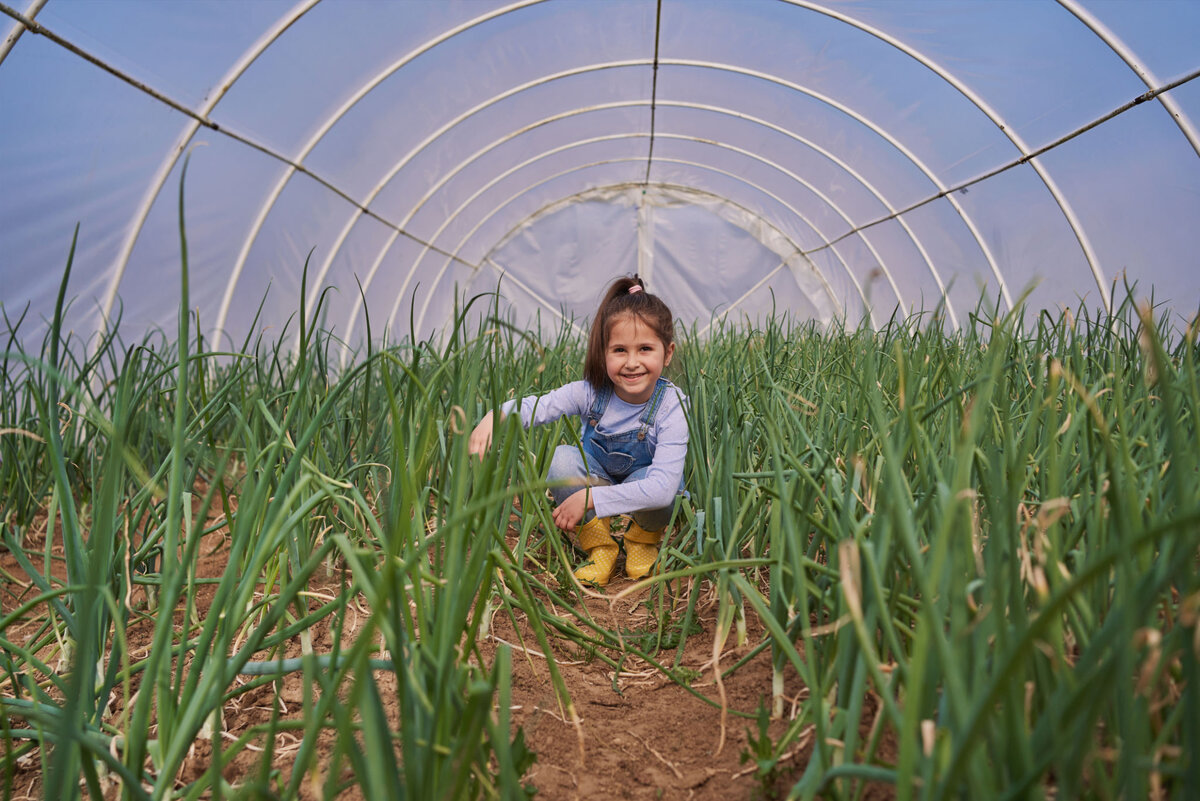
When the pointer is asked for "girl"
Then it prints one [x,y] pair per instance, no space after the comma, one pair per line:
[634,434]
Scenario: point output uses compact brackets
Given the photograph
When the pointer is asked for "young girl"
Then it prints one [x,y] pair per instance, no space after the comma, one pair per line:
[634,434]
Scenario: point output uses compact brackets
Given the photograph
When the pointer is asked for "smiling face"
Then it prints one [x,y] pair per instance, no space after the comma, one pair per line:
[634,358]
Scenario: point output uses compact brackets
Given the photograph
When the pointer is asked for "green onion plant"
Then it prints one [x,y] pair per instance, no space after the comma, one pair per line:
[971,556]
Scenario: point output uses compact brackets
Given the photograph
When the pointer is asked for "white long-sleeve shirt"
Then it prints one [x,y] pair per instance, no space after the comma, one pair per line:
[668,437]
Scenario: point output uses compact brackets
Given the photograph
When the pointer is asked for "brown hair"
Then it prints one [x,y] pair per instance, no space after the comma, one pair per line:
[618,301]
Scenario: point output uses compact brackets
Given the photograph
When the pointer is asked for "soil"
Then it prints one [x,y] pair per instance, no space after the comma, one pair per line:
[640,735]
[643,735]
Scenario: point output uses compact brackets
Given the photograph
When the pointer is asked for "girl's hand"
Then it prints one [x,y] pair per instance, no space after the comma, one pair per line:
[481,437]
[569,514]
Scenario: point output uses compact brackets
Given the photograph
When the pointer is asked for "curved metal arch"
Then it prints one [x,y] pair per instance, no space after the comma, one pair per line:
[857,177]
[18,30]
[290,170]
[676,62]
[248,57]
[846,219]
[450,218]
[562,202]
[222,88]
[352,320]
[325,127]
[1163,98]
[1144,73]
[450,174]
[481,222]
[416,150]
[353,317]
[462,242]
[1051,185]
[883,134]
[549,207]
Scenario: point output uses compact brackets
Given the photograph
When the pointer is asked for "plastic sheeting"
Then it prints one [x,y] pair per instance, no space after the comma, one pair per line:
[832,160]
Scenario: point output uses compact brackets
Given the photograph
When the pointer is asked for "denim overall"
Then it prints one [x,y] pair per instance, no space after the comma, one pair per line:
[611,458]
[618,455]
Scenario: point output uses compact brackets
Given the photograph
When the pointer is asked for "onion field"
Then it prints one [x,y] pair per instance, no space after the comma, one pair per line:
[971,558]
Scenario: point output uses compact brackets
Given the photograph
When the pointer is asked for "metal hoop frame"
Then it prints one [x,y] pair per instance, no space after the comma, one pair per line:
[1127,55]
[547,207]
[844,166]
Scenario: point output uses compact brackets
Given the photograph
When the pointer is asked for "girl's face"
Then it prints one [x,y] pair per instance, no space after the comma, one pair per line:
[634,358]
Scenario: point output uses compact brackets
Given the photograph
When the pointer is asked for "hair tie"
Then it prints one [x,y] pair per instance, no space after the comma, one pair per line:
[635,289]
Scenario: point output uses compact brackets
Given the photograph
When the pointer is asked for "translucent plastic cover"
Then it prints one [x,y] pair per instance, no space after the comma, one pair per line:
[834,160]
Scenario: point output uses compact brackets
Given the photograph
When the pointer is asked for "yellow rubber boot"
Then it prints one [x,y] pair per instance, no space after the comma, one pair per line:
[641,550]
[601,549]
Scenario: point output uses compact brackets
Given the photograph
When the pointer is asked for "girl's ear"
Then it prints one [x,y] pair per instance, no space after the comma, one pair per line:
[669,353]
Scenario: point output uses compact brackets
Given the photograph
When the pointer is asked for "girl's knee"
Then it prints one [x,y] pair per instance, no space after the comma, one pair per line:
[568,473]
[654,519]
[566,464]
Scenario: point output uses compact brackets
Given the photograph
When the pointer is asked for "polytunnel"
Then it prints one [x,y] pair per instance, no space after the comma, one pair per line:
[839,161]
[302,496]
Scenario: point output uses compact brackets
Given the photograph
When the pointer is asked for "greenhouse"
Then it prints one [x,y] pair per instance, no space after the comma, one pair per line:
[277,276]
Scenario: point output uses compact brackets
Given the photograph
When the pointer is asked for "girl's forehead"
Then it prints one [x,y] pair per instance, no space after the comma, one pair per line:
[630,327]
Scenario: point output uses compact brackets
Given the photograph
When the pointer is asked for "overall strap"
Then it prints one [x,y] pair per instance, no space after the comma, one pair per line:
[599,404]
[652,405]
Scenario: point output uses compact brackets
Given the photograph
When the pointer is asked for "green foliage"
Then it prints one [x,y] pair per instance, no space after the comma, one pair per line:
[983,541]
[310,475]
[994,531]
[662,634]
[760,749]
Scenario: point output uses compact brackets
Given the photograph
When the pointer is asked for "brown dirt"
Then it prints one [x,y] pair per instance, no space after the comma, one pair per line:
[640,736]
[643,735]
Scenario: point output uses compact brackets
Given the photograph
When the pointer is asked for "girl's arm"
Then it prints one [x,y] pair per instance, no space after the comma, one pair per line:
[657,488]
[573,398]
